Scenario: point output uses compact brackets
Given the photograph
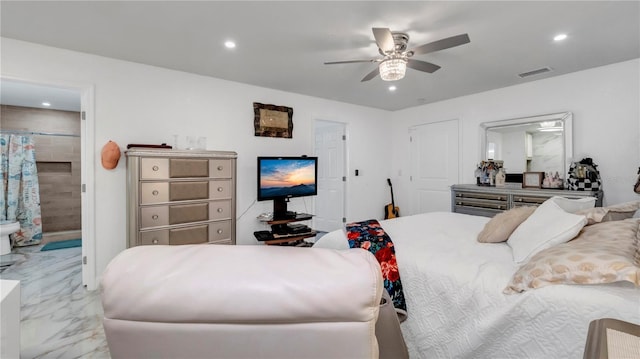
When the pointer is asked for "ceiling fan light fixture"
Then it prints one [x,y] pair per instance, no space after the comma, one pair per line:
[392,69]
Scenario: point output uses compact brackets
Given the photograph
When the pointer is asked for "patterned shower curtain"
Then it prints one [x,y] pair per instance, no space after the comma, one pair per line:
[20,200]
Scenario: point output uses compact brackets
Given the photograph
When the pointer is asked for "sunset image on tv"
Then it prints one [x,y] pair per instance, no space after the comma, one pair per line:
[287,177]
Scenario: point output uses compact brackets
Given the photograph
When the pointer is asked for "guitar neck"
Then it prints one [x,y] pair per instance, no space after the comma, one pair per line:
[392,201]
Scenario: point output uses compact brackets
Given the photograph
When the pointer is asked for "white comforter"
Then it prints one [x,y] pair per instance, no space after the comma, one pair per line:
[453,287]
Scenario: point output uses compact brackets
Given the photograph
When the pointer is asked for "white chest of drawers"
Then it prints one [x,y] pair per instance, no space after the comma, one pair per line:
[180,197]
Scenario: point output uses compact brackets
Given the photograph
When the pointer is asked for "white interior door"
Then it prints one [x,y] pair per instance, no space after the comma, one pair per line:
[434,165]
[330,149]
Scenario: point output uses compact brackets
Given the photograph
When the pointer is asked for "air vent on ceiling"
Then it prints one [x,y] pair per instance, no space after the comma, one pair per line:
[535,72]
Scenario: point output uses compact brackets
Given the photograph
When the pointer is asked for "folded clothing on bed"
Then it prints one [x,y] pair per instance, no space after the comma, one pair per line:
[369,235]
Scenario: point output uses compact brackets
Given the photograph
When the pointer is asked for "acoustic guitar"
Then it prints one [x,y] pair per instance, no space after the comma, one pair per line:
[390,210]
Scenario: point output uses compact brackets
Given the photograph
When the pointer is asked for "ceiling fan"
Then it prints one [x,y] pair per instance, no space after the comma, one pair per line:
[396,58]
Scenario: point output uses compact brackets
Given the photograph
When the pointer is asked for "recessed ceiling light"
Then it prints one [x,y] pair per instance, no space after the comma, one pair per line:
[560,37]
[392,88]
[229,44]
[46,104]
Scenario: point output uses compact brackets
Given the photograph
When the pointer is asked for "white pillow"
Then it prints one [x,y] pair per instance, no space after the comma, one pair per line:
[333,240]
[548,226]
[637,214]
[574,205]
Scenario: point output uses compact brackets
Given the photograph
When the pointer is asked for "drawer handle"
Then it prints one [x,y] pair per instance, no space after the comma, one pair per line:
[155,216]
[220,168]
[155,241]
[219,231]
[220,189]
[155,168]
[220,210]
[155,192]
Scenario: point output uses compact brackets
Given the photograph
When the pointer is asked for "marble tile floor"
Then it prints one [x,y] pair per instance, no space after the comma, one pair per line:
[60,318]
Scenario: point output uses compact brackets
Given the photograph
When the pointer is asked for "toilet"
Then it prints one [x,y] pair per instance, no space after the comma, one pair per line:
[6,228]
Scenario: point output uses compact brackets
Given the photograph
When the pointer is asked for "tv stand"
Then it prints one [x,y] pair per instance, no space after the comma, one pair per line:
[284,215]
[283,234]
[280,209]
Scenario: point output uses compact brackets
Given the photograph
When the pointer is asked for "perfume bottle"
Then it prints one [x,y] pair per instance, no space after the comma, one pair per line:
[500,178]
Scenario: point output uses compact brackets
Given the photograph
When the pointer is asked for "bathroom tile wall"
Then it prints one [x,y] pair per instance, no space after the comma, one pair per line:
[58,160]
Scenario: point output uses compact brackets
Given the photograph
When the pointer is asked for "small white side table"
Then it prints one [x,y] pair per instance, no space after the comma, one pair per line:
[9,319]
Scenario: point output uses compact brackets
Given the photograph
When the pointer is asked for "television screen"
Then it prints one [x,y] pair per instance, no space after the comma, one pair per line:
[285,177]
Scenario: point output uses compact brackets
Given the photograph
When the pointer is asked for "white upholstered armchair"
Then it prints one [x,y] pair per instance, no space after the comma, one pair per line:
[211,301]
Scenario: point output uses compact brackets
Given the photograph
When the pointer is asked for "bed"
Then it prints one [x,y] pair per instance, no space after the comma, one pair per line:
[454,289]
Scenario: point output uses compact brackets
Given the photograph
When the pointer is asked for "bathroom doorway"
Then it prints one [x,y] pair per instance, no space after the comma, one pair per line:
[52,115]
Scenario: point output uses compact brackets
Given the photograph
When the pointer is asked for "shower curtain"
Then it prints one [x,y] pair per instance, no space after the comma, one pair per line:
[20,200]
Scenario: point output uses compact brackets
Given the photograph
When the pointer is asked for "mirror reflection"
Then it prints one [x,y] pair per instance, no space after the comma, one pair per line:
[531,144]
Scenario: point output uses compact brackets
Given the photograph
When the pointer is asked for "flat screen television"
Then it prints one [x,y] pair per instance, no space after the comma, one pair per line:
[281,178]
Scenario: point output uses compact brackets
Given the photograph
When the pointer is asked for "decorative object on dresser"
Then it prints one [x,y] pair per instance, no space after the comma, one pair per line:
[272,120]
[162,145]
[180,196]
[501,178]
[552,180]
[532,179]
[489,201]
[486,172]
[584,176]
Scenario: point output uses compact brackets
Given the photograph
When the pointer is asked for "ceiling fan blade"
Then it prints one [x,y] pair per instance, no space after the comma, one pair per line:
[442,44]
[371,75]
[422,66]
[350,61]
[384,39]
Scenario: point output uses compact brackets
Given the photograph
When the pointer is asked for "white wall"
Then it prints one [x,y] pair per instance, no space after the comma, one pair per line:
[605,102]
[136,103]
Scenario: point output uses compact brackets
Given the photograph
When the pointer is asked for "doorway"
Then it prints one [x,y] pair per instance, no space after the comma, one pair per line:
[61,203]
[434,165]
[330,206]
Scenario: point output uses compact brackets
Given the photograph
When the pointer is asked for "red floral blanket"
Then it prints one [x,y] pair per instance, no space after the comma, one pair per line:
[369,235]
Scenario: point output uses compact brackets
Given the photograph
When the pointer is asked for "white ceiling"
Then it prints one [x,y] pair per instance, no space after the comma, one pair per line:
[18,93]
[282,45]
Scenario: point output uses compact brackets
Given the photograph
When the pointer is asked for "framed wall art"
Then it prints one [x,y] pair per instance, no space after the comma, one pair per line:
[272,120]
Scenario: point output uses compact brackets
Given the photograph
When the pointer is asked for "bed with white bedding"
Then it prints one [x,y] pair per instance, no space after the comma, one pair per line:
[454,285]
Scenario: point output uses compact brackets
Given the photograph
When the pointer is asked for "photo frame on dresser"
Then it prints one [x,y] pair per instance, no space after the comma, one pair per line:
[532,179]
[272,120]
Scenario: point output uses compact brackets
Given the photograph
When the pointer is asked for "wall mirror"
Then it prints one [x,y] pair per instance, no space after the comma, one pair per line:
[530,144]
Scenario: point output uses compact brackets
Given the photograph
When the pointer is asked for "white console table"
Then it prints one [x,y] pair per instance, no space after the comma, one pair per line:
[10,319]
